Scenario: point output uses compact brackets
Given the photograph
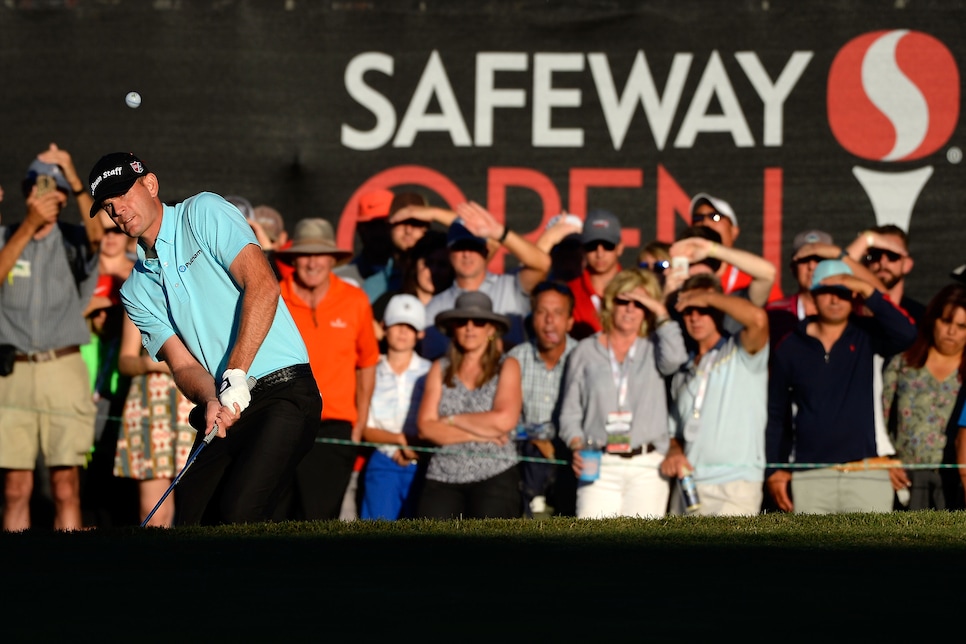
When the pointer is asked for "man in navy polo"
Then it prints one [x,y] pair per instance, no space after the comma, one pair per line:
[207,302]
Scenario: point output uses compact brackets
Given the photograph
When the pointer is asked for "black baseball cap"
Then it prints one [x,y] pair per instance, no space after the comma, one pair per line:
[458,237]
[113,175]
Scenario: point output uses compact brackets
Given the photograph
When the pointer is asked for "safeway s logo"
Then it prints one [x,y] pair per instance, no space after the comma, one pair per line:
[893,95]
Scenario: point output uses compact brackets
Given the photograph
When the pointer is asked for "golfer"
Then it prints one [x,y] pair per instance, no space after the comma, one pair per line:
[207,302]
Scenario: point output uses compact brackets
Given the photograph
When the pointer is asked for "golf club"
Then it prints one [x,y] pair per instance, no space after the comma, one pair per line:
[191,459]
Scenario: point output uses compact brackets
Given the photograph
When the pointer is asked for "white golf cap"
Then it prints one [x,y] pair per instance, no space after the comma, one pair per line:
[720,206]
[405,309]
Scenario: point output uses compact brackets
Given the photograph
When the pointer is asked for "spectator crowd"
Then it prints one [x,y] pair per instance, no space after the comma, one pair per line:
[568,385]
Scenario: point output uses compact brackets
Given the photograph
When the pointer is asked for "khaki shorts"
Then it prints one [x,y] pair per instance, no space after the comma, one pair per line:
[46,406]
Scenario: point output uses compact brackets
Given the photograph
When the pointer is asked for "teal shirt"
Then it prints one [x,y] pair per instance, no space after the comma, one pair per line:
[189,291]
[385,279]
[729,442]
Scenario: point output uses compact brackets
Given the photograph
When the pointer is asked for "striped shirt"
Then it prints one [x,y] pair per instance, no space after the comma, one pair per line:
[541,386]
[40,307]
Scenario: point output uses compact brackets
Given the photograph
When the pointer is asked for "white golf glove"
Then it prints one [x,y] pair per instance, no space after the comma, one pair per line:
[234,389]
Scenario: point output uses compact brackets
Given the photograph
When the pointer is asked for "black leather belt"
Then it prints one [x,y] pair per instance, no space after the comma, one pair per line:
[637,451]
[285,374]
[46,356]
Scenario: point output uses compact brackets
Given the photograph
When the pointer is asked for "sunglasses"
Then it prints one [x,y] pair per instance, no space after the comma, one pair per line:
[713,216]
[658,267]
[700,310]
[479,323]
[875,255]
[839,291]
[808,260]
[623,301]
[592,246]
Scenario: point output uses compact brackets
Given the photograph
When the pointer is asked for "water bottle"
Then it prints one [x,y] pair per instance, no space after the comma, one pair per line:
[590,453]
[689,491]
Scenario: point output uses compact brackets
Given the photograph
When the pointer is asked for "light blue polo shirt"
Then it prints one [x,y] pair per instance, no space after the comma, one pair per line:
[189,291]
[730,441]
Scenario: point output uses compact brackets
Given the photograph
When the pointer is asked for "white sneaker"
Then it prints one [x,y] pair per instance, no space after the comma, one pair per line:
[538,504]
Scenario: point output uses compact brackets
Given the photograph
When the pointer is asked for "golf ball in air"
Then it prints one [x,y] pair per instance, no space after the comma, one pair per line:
[133,100]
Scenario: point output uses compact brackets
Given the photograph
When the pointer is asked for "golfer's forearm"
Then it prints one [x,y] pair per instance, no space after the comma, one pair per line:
[258,312]
[196,384]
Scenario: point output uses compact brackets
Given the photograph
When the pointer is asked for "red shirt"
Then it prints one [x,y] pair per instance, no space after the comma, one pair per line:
[586,316]
[733,280]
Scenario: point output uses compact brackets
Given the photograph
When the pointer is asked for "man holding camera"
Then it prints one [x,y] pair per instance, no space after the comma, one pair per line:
[48,270]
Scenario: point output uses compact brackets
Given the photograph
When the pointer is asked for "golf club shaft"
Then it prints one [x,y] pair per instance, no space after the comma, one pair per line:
[191,459]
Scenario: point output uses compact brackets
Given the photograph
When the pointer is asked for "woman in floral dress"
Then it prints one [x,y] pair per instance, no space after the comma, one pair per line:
[155,438]
[920,389]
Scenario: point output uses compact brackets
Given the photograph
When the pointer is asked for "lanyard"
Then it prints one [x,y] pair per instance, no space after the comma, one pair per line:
[619,372]
[708,360]
[732,278]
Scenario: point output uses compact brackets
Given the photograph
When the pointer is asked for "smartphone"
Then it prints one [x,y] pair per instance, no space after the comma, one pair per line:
[571,219]
[681,266]
[45,183]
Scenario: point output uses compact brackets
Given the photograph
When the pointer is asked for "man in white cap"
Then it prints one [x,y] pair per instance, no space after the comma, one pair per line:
[825,369]
[335,320]
[717,214]
[391,487]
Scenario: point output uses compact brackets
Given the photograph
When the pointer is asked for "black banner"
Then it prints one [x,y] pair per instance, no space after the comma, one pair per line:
[830,115]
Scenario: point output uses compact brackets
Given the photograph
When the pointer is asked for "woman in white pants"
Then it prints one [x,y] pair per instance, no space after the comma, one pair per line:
[614,398]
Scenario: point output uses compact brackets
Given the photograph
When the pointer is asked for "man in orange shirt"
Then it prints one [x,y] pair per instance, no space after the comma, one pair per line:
[335,320]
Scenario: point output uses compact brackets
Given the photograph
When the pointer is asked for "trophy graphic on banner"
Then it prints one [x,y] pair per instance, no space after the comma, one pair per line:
[893,96]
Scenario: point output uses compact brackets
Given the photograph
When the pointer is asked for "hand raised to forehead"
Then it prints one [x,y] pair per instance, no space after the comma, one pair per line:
[818,249]
[412,211]
[851,282]
[639,294]
[479,221]
[699,298]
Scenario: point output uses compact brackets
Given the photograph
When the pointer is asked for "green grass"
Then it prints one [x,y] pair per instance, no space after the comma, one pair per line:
[788,577]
